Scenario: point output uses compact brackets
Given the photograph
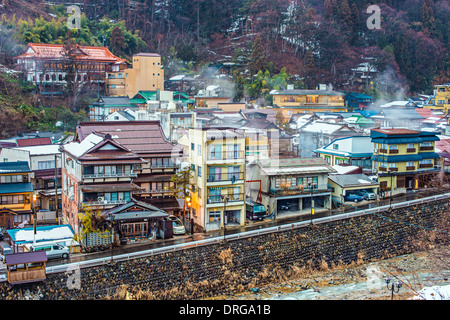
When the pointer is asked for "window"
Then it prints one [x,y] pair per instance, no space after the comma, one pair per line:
[46,164]
[335,146]
[392,147]
[392,165]
[215,152]
[11,179]
[199,171]
[192,146]
[199,149]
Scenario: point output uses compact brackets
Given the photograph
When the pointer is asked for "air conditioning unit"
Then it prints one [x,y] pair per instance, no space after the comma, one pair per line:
[100,199]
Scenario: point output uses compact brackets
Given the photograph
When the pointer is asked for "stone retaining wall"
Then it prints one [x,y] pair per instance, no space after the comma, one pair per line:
[243,264]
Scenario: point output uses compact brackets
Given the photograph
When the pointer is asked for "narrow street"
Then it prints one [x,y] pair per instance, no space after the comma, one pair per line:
[179,239]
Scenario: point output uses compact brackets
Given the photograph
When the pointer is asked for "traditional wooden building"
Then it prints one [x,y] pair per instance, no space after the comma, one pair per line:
[97,173]
[16,192]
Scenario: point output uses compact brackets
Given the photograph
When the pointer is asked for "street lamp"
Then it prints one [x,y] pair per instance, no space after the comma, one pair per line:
[391,173]
[311,187]
[394,287]
[34,219]
[225,201]
[111,220]
[189,205]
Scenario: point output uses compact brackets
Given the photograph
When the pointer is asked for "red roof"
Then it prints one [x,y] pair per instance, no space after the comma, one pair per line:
[55,51]
[33,142]
[141,137]
[396,131]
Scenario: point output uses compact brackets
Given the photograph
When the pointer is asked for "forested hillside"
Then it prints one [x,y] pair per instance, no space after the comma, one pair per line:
[305,42]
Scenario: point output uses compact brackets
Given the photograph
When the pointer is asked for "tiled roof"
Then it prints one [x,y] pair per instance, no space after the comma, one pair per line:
[55,51]
[349,180]
[141,137]
[6,188]
[288,166]
[14,167]
[396,131]
[33,142]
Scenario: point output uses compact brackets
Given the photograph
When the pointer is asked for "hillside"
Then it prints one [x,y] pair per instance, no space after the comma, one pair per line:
[304,42]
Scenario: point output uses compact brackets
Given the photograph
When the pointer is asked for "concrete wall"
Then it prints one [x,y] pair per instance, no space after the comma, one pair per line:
[239,265]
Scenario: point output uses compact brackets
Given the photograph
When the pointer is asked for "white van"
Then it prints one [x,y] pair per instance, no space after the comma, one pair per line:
[52,250]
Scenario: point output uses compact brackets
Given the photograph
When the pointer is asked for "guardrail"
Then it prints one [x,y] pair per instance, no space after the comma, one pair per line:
[237,236]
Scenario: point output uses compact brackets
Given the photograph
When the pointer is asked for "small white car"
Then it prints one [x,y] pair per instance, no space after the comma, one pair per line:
[178,227]
[53,251]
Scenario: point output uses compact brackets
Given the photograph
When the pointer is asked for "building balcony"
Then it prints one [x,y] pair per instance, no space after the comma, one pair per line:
[234,199]
[225,178]
[109,175]
[104,202]
[226,157]
[164,166]
[295,190]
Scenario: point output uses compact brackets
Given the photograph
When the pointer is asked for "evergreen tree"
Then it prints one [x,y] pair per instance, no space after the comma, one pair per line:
[427,17]
[258,60]
[117,41]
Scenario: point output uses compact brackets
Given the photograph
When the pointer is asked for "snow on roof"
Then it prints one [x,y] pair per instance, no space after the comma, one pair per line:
[46,233]
[323,127]
[40,150]
[394,103]
[344,169]
[77,149]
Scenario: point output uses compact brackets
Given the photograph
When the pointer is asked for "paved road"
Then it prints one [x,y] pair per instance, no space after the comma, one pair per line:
[129,248]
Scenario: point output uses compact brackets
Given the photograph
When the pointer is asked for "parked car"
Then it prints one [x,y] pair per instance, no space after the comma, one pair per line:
[353,197]
[367,195]
[4,250]
[285,206]
[53,251]
[178,227]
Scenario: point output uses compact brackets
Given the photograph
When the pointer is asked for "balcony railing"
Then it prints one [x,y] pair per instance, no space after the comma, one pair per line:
[104,202]
[299,189]
[426,148]
[109,175]
[231,198]
[221,177]
[411,150]
[164,166]
[393,151]
[226,155]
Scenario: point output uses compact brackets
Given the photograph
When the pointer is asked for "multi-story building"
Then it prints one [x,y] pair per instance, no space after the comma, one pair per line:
[356,150]
[217,158]
[440,101]
[45,66]
[288,186]
[290,102]
[97,173]
[404,159]
[16,194]
[45,162]
[146,74]
[146,139]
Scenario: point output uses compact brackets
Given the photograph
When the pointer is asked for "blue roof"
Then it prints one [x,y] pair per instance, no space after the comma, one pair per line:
[44,233]
[14,167]
[22,187]
[406,157]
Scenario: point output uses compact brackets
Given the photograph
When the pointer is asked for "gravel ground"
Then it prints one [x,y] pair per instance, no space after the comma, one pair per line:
[362,282]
